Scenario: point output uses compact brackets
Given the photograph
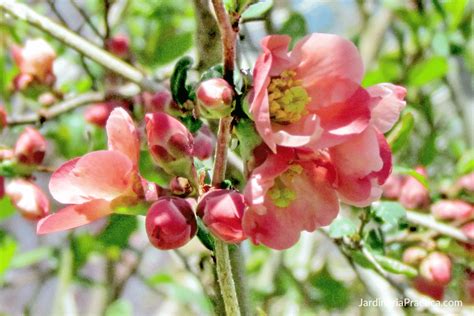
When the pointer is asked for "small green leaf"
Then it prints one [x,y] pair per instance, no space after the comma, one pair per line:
[395,266]
[342,227]
[178,79]
[215,71]
[29,258]
[389,212]
[6,208]
[248,138]
[411,172]
[118,230]
[466,162]
[204,236]
[257,11]
[399,136]
[150,171]
[160,278]
[428,70]
[456,9]
[120,307]
[295,27]
[334,295]
[192,124]
[429,150]
[7,251]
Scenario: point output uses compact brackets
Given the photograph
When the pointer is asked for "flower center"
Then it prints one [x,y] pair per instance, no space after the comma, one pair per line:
[281,192]
[287,98]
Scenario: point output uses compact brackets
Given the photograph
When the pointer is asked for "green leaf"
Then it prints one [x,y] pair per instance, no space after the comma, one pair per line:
[120,307]
[216,71]
[118,230]
[173,45]
[295,27]
[399,136]
[374,241]
[160,278]
[192,124]
[411,172]
[257,11]
[29,258]
[7,250]
[178,79]
[82,246]
[334,295]
[466,162]
[389,212]
[395,266]
[456,8]
[428,70]
[150,171]
[428,151]
[342,227]
[440,44]
[7,209]
[248,138]
[204,236]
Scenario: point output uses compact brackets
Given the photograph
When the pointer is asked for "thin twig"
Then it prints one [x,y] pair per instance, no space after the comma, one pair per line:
[102,57]
[107,6]
[87,19]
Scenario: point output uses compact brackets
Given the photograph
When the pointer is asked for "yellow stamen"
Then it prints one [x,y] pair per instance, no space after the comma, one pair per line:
[281,192]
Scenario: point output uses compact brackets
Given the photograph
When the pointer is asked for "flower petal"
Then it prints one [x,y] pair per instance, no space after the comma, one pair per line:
[391,102]
[73,216]
[122,134]
[101,174]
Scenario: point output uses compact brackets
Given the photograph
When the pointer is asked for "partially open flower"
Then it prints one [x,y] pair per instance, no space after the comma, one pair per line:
[222,212]
[215,97]
[98,183]
[436,268]
[28,198]
[170,223]
[170,143]
[30,148]
[452,210]
[36,59]
[414,194]
[414,255]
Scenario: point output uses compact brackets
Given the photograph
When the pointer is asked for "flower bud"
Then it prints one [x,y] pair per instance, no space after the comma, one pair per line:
[392,187]
[222,212]
[170,144]
[28,198]
[434,290]
[170,223]
[414,255]
[466,182]
[203,143]
[413,194]
[451,210]
[118,45]
[30,147]
[3,117]
[98,113]
[214,97]
[36,59]
[436,268]
[47,99]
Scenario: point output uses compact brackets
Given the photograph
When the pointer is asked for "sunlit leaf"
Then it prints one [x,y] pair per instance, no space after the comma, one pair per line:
[395,266]
[389,212]
[428,70]
[411,172]
[400,135]
[257,10]
[7,250]
[342,227]
[120,307]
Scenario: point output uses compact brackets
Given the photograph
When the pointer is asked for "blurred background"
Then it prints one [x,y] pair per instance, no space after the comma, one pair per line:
[110,268]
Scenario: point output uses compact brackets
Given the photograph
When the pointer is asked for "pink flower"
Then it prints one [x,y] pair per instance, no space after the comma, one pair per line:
[414,255]
[436,268]
[170,144]
[36,59]
[414,194]
[310,96]
[28,198]
[466,182]
[203,145]
[170,223]
[98,182]
[98,113]
[30,148]
[222,212]
[392,187]
[289,192]
[118,45]
[452,210]
[214,96]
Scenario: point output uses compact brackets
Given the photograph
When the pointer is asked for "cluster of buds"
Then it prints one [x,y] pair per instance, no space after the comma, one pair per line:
[408,190]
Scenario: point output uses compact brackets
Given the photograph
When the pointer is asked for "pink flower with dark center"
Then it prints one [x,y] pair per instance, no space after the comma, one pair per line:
[28,198]
[170,223]
[222,212]
[289,192]
[35,59]
[414,194]
[452,210]
[30,148]
[98,182]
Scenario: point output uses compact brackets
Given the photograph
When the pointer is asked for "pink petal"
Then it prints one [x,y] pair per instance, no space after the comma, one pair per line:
[391,101]
[298,134]
[277,47]
[101,174]
[122,134]
[73,216]
[319,56]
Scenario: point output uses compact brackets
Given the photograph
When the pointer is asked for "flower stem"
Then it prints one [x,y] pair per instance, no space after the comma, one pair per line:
[224,276]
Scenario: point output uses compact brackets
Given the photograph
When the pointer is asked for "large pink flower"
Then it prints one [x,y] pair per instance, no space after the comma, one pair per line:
[289,192]
[97,182]
[311,95]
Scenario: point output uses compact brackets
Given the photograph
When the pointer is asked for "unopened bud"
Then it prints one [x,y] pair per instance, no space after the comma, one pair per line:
[414,255]
[413,194]
[170,223]
[436,268]
[215,97]
[452,210]
[28,198]
[222,212]
[30,147]
[118,45]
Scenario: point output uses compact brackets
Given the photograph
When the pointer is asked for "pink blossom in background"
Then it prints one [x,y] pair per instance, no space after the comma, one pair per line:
[452,210]
[393,186]
[170,223]
[100,181]
[119,45]
[28,198]
[436,268]
[466,182]
[30,148]
[414,194]
[222,211]
[413,255]
[203,144]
